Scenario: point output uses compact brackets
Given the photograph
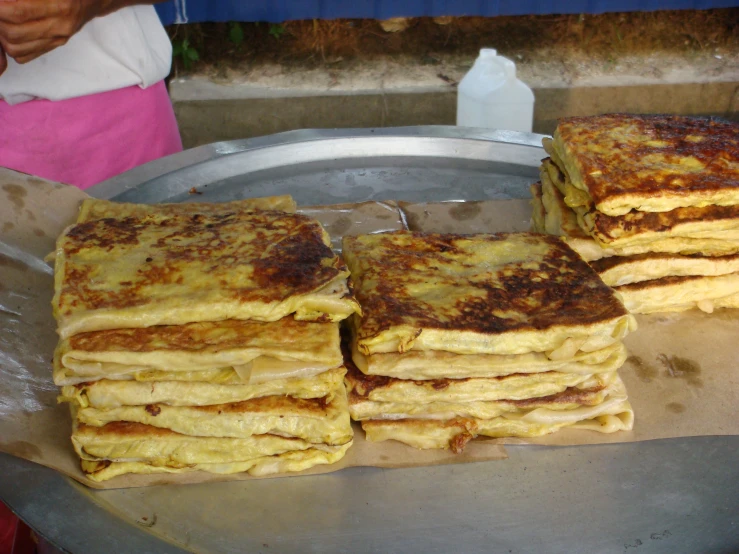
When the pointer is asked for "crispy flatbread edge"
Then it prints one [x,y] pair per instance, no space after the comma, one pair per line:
[664,295]
[94,208]
[513,387]
[288,462]
[106,394]
[555,405]
[311,420]
[330,301]
[454,434]
[567,359]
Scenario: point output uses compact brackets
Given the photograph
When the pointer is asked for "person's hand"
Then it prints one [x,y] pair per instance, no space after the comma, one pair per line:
[3,57]
[31,28]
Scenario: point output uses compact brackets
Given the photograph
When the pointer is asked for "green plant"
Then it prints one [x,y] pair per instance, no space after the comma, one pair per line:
[236,33]
[276,30]
[186,51]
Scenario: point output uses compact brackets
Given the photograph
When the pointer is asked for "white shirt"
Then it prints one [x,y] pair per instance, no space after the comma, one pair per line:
[128,47]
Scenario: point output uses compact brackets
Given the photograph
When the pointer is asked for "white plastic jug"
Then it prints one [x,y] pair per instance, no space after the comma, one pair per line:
[491,96]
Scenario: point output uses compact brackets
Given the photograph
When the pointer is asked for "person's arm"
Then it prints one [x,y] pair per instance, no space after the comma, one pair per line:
[31,28]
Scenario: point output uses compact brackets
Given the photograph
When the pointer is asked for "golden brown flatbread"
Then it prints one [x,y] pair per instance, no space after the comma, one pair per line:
[506,293]
[170,270]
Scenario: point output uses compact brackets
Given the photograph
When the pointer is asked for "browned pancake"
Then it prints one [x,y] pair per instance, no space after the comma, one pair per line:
[314,420]
[93,208]
[664,281]
[452,434]
[571,395]
[651,162]
[605,264]
[217,336]
[484,286]
[558,288]
[160,269]
[308,407]
[604,411]
[108,393]
[126,429]
[294,259]
[555,173]
[516,386]
[257,351]
[120,447]
[678,222]
[127,440]
[362,409]
[700,222]
[678,293]
[617,271]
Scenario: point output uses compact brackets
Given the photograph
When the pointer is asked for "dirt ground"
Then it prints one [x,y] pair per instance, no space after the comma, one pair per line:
[340,44]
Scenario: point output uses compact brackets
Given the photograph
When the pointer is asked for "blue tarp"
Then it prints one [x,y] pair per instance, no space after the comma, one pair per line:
[193,11]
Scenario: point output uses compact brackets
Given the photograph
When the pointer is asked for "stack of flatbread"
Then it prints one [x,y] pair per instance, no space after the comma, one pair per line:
[201,337]
[495,335]
[651,202]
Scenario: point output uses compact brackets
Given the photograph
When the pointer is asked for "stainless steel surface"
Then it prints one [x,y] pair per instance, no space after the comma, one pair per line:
[658,496]
[665,496]
[329,167]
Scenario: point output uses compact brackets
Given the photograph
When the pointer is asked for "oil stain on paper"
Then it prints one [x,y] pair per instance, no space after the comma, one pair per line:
[646,372]
[682,368]
[465,211]
[16,194]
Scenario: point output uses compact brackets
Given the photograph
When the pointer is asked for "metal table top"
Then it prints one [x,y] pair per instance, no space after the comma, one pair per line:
[677,495]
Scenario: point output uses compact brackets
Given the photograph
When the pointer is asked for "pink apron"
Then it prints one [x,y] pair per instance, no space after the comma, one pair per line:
[83,141]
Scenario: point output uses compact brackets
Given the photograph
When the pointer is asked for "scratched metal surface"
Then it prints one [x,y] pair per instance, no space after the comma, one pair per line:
[666,496]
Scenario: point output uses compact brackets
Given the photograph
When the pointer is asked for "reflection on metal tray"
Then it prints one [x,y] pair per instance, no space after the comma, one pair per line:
[658,496]
[330,167]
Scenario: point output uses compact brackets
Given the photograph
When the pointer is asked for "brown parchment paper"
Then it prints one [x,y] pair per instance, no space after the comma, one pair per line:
[682,375]
[468,217]
[356,219]
[33,212]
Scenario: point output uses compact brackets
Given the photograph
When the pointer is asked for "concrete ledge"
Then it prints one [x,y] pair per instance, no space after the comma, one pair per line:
[716,98]
[250,105]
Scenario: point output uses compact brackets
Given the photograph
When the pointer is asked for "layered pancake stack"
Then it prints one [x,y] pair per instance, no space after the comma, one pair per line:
[651,202]
[494,335]
[201,337]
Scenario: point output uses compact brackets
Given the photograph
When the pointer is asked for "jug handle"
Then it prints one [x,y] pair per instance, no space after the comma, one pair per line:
[509,68]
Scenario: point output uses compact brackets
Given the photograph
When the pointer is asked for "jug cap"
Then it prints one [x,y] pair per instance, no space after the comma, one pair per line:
[489,58]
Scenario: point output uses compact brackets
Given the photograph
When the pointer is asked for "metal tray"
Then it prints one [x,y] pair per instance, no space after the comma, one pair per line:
[677,495]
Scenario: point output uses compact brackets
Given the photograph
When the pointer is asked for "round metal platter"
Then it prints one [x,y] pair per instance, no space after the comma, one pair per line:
[677,495]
